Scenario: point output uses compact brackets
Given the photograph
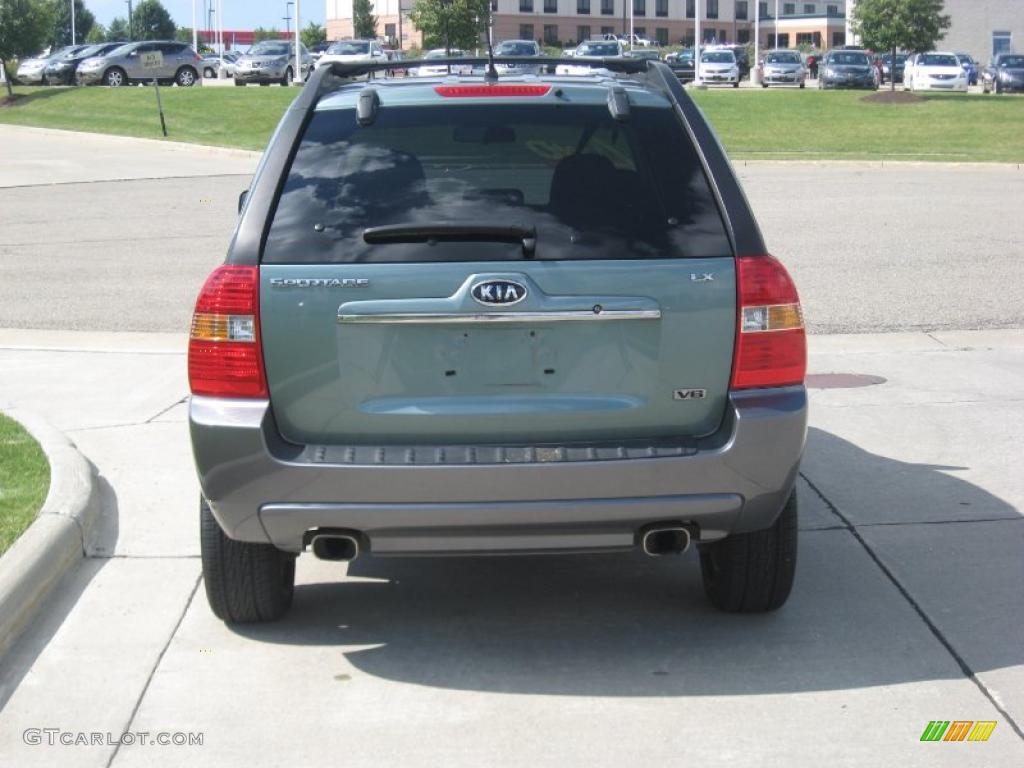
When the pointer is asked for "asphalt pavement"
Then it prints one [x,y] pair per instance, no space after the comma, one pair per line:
[873,247]
[907,606]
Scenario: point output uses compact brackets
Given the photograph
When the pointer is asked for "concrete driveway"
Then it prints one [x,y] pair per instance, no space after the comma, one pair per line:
[907,607]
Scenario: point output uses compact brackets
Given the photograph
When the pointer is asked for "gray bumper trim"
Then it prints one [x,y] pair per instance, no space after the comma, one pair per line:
[263,489]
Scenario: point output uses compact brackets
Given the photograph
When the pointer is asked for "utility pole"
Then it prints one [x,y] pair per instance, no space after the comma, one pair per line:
[776,24]
[195,32]
[288,17]
[72,22]
[696,42]
[131,27]
[757,33]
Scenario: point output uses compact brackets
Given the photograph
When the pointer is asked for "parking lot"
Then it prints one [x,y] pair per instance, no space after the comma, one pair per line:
[907,605]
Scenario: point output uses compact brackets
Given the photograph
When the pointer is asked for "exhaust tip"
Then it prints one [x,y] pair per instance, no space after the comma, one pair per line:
[335,547]
[665,540]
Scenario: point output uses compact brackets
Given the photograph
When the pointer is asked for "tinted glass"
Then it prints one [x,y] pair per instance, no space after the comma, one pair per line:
[516,49]
[783,58]
[592,187]
[938,60]
[349,48]
[849,59]
[600,48]
[270,48]
[1013,62]
[718,57]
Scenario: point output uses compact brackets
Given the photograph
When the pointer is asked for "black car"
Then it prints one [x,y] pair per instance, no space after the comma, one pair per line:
[61,71]
[847,69]
[682,66]
[892,73]
[1004,74]
[741,58]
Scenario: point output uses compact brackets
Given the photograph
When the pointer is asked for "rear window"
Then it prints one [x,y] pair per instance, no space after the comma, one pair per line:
[938,60]
[592,187]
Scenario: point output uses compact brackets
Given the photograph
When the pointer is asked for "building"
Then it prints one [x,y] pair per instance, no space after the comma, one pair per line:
[669,22]
[982,27]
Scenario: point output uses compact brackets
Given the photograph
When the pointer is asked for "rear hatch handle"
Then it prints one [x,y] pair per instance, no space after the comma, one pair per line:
[454,233]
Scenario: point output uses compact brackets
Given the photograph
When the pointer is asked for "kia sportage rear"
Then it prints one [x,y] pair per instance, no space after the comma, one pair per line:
[471,316]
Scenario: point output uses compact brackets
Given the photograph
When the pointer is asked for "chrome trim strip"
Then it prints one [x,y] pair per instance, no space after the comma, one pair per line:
[459,318]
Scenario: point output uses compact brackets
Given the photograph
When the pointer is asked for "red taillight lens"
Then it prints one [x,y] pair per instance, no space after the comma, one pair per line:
[771,344]
[483,91]
[225,358]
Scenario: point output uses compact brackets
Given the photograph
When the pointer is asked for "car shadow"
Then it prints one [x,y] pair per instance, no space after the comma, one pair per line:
[626,625]
[40,93]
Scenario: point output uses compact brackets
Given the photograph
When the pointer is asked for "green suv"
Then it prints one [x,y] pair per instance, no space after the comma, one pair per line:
[471,314]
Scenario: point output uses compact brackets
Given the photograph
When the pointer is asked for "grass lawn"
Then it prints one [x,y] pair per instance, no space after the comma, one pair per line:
[753,124]
[24,481]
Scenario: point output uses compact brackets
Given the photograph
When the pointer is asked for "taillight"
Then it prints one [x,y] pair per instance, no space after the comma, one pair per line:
[771,345]
[484,91]
[224,352]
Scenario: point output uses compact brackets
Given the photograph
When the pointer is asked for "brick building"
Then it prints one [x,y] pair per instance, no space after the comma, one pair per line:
[820,23]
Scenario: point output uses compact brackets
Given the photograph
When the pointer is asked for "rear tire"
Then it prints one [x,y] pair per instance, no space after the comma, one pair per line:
[186,77]
[114,77]
[209,74]
[753,572]
[245,582]
[287,79]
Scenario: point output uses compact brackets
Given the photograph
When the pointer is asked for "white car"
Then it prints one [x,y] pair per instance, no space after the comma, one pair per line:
[439,70]
[935,71]
[352,52]
[637,41]
[592,49]
[719,67]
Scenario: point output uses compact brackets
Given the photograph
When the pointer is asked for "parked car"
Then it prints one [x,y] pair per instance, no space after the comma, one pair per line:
[123,65]
[436,70]
[936,71]
[319,50]
[353,51]
[740,52]
[847,69]
[212,61]
[636,41]
[592,49]
[425,340]
[61,70]
[1004,74]
[681,65]
[970,67]
[648,54]
[891,73]
[719,67]
[33,71]
[527,49]
[783,67]
[272,61]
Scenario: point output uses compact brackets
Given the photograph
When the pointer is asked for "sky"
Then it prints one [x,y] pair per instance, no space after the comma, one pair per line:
[238,14]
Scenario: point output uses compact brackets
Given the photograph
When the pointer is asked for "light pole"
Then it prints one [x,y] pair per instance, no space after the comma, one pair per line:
[195,32]
[72,22]
[298,43]
[696,42]
[776,24]
[288,17]
[757,34]
[131,27]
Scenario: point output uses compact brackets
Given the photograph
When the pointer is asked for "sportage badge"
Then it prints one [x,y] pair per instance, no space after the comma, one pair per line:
[499,292]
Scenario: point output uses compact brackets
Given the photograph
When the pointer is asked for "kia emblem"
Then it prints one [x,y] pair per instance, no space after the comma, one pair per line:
[499,292]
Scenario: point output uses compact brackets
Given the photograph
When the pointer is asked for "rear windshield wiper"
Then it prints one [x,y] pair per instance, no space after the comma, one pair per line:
[455,233]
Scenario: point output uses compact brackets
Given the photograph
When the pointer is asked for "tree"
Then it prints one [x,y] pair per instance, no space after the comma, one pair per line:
[891,25]
[183,34]
[451,23]
[98,34]
[260,33]
[24,28]
[60,34]
[312,34]
[364,23]
[151,21]
[118,30]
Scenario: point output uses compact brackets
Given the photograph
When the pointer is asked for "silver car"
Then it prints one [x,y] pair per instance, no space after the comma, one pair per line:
[212,61]
[272,61]
[527,49]
[124,65]
[33,71]
[783,67]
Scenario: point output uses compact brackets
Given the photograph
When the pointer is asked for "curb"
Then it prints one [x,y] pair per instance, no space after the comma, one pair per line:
[55,542]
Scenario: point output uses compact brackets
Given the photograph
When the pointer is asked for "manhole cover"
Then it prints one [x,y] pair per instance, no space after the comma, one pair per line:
[842,380]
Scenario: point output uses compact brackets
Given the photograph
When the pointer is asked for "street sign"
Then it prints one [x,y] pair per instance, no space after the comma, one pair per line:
[152,59]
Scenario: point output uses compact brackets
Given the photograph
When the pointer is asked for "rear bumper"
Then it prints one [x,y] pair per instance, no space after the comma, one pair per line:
[262,489]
